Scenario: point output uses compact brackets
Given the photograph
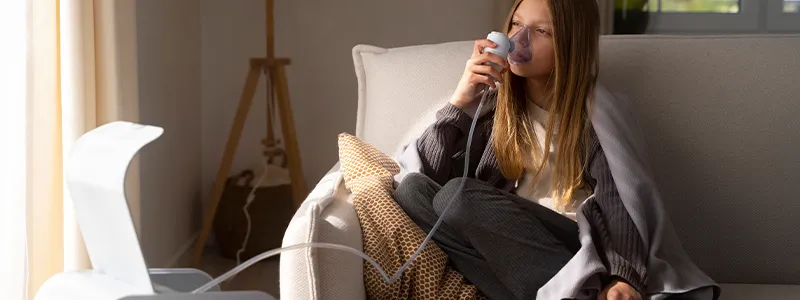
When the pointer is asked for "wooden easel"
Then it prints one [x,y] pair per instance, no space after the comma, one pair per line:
[275,71]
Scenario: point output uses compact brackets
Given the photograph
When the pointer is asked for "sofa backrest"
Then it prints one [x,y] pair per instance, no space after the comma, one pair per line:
[721,116]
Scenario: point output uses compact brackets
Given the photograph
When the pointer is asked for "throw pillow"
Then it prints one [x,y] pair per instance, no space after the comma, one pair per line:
[390,236]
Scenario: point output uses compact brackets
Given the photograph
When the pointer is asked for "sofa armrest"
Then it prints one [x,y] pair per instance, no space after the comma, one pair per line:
[326,216]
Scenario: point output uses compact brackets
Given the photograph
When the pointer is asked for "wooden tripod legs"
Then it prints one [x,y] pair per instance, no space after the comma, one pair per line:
[299,191]
[277,68]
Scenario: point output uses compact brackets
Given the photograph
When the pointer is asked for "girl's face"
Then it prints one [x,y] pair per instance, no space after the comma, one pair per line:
[535,14]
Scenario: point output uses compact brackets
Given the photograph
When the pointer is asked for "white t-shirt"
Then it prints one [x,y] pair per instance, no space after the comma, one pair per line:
[541,191]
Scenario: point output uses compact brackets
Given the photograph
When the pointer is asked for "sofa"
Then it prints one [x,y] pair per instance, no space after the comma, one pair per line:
[721,118]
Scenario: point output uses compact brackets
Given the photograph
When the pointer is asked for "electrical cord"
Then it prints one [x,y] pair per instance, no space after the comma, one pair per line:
[250,197]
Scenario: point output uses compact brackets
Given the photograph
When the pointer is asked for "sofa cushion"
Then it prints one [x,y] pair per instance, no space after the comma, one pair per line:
[759,291]
[326,216]
[398,87]
[720,115]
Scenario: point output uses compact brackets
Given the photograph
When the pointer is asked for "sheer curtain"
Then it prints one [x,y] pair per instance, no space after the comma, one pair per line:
[63,74]
[12,152]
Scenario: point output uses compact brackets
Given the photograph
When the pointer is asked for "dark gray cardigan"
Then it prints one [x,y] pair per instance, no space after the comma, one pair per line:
[442,149]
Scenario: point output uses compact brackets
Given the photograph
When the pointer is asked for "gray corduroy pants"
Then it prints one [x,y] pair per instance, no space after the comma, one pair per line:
[505,245]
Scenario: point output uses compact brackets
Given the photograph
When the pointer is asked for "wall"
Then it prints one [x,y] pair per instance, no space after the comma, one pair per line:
[168,34]
[500,12]
[318,36]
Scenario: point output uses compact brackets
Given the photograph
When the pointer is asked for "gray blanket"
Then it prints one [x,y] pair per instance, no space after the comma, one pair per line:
[670,271]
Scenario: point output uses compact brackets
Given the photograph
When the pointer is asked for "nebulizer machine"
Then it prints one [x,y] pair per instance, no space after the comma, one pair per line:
[95,178]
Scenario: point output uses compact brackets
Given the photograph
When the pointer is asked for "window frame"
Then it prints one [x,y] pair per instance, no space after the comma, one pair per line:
[779,21]
[746,20]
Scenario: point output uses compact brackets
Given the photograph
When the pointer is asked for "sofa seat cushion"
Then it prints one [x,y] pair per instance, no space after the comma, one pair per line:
[732,291]
[326,216]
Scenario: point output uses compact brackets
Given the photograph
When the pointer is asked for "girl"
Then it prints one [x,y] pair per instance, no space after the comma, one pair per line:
[537,160]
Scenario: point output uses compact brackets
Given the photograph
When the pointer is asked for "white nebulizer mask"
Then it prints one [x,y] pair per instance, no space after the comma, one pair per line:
[520,52]
[516,48]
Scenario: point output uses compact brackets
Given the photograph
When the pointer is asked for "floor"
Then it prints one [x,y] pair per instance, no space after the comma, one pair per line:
[263,276]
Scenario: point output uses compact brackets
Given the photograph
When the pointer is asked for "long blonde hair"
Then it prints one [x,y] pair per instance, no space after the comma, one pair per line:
[575,41]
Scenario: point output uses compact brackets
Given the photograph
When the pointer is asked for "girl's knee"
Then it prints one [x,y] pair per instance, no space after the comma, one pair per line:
[454,184]
[413,182]
[419,179]
[415,186]
[463,185]
[454,202]
[458,213]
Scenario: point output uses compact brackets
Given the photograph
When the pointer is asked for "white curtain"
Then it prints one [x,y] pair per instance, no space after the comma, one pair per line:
[62,75]
[12,151]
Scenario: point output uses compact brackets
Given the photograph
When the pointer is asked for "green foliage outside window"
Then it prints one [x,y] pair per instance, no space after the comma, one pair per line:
[695,6]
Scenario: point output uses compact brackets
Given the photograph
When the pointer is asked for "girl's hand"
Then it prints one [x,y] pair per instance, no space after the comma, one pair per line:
[477,74]
[619,290]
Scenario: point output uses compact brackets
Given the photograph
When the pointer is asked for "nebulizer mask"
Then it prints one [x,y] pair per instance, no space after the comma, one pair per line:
[521,50]
[517,49]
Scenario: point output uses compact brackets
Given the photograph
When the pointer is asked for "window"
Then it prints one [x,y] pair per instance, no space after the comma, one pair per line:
[791,6]
[783,15]
[695,6]
[703,16]
[723,16]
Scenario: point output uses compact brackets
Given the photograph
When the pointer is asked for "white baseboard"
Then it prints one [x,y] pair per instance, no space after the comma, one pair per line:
[181,257]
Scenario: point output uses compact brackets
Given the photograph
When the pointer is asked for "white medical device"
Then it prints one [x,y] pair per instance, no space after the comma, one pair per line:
[95,177]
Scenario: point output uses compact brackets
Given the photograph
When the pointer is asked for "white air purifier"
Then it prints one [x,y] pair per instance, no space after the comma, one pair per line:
[95,177]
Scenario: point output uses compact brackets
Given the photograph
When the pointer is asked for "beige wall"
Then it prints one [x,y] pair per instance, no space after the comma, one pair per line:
[501,10]
[168,34]
[318,36]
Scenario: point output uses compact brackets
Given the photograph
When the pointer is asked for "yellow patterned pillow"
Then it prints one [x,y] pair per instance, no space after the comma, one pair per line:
[390,236]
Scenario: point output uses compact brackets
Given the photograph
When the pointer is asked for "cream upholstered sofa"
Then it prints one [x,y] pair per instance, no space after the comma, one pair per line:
[721,117]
